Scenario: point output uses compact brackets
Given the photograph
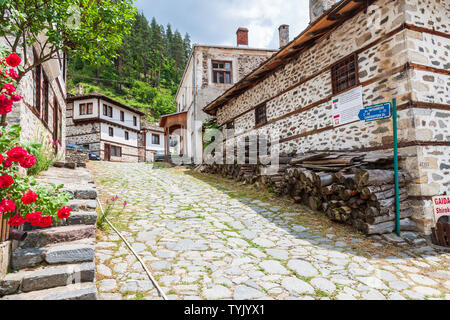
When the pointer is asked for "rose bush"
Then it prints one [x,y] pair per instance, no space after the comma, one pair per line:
[22,199]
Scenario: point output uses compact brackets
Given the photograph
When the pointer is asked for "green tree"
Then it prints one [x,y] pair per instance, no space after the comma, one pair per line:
[91,30]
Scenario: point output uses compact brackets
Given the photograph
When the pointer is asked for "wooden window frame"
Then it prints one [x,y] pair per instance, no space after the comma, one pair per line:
[122,116]
[260,115]
[158,139]
[89,108]
[116,151]
[37,75]
[46,101]
[110,111]
[342,69]
[82,107]
[127,135]
[105,110]
[220,71]
[135,121]
[111,131]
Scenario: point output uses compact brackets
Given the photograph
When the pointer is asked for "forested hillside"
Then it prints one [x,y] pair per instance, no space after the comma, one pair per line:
[146,73]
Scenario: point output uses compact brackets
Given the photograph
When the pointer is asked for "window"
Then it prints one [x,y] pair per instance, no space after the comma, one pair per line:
[221,71]
[155,138]
[86,146]
[111,132]
[105,110]
[122,116]
[230,125]
[37,88]
[127,135]
[90,108]
[134,121]
[82,109]
[344,74]
[260,115]
[46,100]
[110,112]
[116,151]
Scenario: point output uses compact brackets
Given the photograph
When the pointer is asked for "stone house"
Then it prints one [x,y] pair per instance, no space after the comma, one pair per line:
[152,140]
[371,51]
[210,71]
[105,126]
[41,115]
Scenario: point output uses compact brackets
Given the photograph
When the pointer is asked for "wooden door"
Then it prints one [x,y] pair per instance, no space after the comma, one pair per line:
[107,152]
[56,124]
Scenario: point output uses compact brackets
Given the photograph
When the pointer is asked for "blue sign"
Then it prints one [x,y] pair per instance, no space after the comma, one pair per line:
[376,112]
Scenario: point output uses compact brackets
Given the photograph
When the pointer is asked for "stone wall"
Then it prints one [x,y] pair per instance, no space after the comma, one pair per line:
[5,250]
[394,60]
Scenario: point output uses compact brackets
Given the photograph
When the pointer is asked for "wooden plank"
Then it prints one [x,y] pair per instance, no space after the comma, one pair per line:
[440,234]
[447,233]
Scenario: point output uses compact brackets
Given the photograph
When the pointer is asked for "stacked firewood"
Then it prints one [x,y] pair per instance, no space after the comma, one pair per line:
[352,188]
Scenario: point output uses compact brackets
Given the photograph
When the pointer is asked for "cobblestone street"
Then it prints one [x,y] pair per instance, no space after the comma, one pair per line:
[205,241]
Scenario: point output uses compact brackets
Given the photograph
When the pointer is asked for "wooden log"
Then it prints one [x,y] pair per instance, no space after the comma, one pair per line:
[390,217]
[376,177]
[323,179]
[389,226]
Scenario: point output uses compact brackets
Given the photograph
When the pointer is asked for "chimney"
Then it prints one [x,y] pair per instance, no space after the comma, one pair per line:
[318,7]
[242,37]
[79,89]
[284,35]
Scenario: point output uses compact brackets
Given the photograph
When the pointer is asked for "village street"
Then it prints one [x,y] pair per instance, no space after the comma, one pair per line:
[202,241]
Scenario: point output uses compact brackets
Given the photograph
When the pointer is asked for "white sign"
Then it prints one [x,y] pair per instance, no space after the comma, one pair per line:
[346,106]
[441,207]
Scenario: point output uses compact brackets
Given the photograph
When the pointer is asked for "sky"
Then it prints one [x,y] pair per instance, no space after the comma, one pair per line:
[215,22]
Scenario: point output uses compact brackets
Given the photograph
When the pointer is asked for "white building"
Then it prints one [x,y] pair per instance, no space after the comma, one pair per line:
[105,126]
[153,140]
[211,70]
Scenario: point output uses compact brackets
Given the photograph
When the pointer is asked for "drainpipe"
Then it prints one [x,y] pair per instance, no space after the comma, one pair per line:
[397,189]
[194,97]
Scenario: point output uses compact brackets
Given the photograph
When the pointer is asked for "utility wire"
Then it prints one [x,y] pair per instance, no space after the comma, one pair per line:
[135,254]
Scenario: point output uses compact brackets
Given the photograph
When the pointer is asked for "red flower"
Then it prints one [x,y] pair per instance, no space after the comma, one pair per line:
[9,88]
[34,218]
[16,221]
[29,197]
[17,154]
[46,222]
[28,162]
[64,213]
[13,73]
[16,97]
[13,60]
[1,158]
[6,180]
[8,163]
[7,205]
[5,104]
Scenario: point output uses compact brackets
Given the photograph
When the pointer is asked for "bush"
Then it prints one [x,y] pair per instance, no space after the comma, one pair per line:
[43,149]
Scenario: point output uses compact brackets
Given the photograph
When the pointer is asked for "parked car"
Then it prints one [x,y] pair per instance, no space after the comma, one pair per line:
[92,156]
[160,156]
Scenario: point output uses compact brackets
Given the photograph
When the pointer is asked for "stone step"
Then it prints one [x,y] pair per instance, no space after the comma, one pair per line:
[43,237]
[79,217]
[83,192]
[82,204]
[46,277]
[65,252]
[78,291]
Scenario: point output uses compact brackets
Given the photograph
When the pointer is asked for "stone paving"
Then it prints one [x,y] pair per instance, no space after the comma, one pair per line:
[201,243]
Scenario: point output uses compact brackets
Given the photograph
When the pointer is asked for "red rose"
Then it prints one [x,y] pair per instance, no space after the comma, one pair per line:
[1,158]
[8,205]
[29,197]
[5,104]
[46,222]
[64,213]
[13,60]
[16,97]
[28,162]
[34,218]
[9,88]
[16,221]
[6,180]
[17,154]
[13,73]
[8,163]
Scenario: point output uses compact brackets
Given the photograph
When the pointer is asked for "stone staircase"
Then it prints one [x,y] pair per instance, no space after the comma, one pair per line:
[57,263]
